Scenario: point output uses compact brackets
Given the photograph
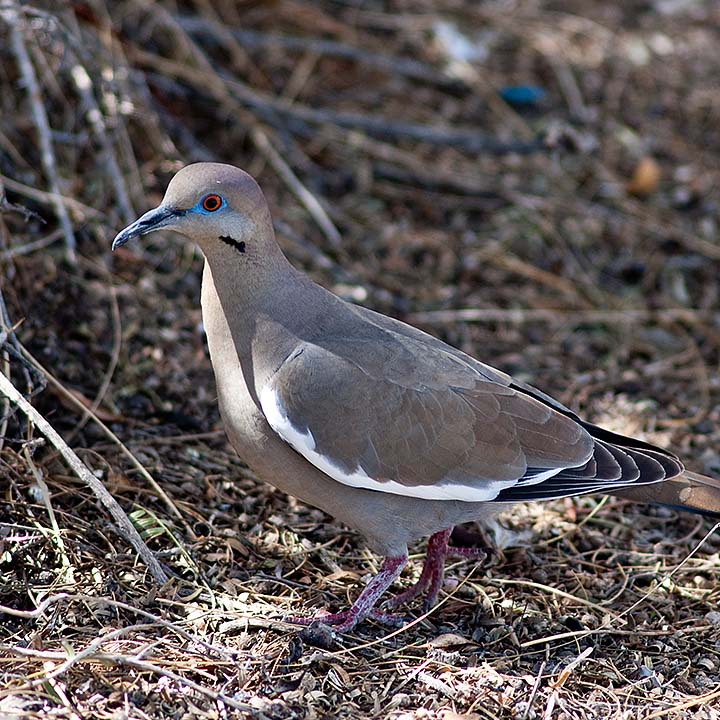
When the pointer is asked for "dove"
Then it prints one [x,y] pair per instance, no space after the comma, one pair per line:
[388,429]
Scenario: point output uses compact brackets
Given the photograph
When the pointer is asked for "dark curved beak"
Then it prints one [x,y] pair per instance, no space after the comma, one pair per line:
[156,219]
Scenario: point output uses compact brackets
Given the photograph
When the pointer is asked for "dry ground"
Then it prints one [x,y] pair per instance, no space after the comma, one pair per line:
[572,241]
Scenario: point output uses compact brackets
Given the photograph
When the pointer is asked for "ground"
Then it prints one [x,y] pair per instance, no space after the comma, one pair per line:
[535,182]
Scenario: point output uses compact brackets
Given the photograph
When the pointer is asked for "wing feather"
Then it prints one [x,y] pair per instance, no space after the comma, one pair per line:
[464,441]
[392,409]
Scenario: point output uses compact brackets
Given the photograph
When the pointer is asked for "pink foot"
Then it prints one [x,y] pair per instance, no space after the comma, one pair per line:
[430,582]
[364,606]
[340,618]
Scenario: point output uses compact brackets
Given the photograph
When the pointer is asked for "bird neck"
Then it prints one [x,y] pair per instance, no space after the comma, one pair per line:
[255,312]
[245,263]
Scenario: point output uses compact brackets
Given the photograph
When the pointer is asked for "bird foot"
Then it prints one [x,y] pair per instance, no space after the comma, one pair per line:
[431,578]
[364,606]
[429,582]
[471,553]
[346,620]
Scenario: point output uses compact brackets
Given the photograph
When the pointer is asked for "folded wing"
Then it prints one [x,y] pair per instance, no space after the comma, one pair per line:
[397,416]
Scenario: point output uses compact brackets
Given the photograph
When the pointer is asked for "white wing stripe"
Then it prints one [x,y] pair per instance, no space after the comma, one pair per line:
[304,443]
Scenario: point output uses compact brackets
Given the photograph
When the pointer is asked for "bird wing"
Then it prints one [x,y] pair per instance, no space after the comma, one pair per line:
[387,411]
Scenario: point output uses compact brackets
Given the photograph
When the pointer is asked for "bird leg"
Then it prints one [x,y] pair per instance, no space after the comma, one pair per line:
[364,606]
[431,577]
[430,581]
[432,573]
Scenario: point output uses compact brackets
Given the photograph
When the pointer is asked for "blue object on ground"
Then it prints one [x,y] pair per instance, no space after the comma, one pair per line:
[522,95]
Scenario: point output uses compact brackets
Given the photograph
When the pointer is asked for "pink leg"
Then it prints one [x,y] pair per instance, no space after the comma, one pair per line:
[430,580]
[432,573]
[364,606]
[431,577]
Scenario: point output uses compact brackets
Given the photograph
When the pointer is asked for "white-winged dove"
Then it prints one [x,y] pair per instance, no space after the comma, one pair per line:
[388,429]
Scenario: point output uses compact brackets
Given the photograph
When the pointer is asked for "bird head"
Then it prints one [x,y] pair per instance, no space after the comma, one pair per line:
[216,205]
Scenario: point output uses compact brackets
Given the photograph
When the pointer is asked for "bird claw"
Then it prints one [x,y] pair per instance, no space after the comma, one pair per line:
[480,554]
[405,596]
[347,619]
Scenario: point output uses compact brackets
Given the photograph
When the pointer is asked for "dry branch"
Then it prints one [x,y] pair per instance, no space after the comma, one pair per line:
[296,117]
[42,125]
[74,400]
[528,315]
[393,65]
[82,471]
[89,656]
[94,116]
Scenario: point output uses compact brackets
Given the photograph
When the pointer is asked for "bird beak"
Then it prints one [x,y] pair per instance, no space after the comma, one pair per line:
[156,219]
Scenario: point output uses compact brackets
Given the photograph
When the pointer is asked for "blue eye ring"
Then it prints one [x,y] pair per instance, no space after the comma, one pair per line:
[211,203]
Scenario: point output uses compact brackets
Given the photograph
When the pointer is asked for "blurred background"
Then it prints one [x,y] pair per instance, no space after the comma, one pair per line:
[535,182]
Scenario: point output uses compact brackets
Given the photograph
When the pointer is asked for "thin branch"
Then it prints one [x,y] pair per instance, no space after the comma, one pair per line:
[32,246]
[73,399]
[47,154]
[81,470]
[227,654]
[84,211]
[115,660]
[520,316]
[94,116]
[296,117]
[392,64]
[311,203]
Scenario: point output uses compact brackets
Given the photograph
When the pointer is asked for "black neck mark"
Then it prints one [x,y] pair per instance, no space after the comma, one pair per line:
[232,242]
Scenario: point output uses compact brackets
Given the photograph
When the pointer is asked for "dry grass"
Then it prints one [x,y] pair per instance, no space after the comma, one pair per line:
[397,177]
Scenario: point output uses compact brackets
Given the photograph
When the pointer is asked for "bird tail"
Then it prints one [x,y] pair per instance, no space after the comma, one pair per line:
[688,491]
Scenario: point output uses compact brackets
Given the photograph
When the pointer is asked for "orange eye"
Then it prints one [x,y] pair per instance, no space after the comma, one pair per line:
[211,203]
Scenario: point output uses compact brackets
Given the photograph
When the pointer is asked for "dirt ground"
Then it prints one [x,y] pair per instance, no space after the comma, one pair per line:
[535,182]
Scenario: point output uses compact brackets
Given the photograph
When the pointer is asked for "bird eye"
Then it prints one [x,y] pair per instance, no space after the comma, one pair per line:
[211,203]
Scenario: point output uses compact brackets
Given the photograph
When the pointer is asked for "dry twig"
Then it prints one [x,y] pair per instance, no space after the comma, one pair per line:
[16,24]
[81,470]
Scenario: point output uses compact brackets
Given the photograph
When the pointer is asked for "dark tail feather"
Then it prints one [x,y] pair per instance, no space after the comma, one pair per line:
[689,491]
[657,475]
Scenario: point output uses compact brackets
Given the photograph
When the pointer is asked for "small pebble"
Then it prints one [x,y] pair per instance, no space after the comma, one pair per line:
[319,635]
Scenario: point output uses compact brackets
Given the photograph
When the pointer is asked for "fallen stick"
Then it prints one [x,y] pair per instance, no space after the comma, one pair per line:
[80,469]
[390,64]
[519,316]
[42,125]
